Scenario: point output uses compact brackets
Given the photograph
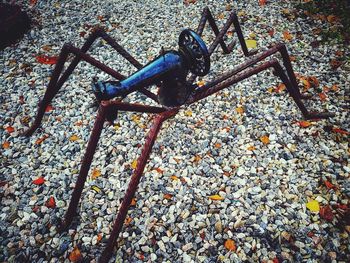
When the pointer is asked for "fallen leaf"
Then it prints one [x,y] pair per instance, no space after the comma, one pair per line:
[313,206]
[306,83]
[49,108]
[240,110]
[221,16]
[133,202]
[201,83]
[134,164]
[280,87]
[96,189]
[51,203]
[33,2]
[127,220]
[74,138]
[332,18]
[39,181]
[251,43]
[217,145]
[188,113]
[251,148]
[329,185]
[99,237]
[334,87]
[287,36]
[160,171]
[304,124]
[335,63]
[75,255]
[338,130]
[173,177]
[265,139]
[262,2]
[43,59]
[5,145]
[168,196]
[46,47]
[40,140]
[95,173]
[230,245]
[10,129]
[216,197]
[326,213]
[322,96]
[271,32]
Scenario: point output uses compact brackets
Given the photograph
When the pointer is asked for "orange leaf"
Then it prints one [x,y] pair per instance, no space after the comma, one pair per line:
[33,2]
[168,196]
[173,177]
[49,108]
[51,203]
[331,18]
[6,145]
[127,221]
[160,171]
[95,173]
[338,130]
[265,139]
[73,138]
[10,129]
[322,96]
[280,88]
[304,124]
[217,145]
[75,255]
[305,82]
[201,83]
[251,148]
[40,140]
[287,36]
[262,2]
[230,245]
[43,59]
[216,197]
[335,87]
[133,202]
[39,181]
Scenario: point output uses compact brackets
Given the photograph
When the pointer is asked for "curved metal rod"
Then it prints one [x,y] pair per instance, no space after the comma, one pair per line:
[58,79]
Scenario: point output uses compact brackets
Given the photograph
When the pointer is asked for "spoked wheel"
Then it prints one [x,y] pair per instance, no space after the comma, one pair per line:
[194,47]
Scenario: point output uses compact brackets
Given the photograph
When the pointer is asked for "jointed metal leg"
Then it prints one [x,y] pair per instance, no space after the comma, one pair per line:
[232,20]
[104,109]
[133,184]
[57,80]
[237,75]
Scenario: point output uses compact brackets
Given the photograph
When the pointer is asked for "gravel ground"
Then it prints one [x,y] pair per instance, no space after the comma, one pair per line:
[211,148]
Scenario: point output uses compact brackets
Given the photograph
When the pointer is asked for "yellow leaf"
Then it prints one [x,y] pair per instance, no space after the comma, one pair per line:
[116,126]
[74,138]
[173,177]
[134,164]
[136,118]
[216,197]
[95,173]
[313,206]
[188,113]
[240,110]
[251,43]
[230,245]
[265,139]
[201,83]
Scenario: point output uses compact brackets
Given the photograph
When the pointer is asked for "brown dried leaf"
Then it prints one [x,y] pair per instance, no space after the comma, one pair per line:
[265,139]
[230,245]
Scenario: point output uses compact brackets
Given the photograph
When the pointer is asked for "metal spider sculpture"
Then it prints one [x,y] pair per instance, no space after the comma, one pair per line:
[176,90]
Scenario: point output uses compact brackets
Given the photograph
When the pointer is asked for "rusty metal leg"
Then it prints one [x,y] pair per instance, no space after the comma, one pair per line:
[134,182]
[85,166]
[225,82]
